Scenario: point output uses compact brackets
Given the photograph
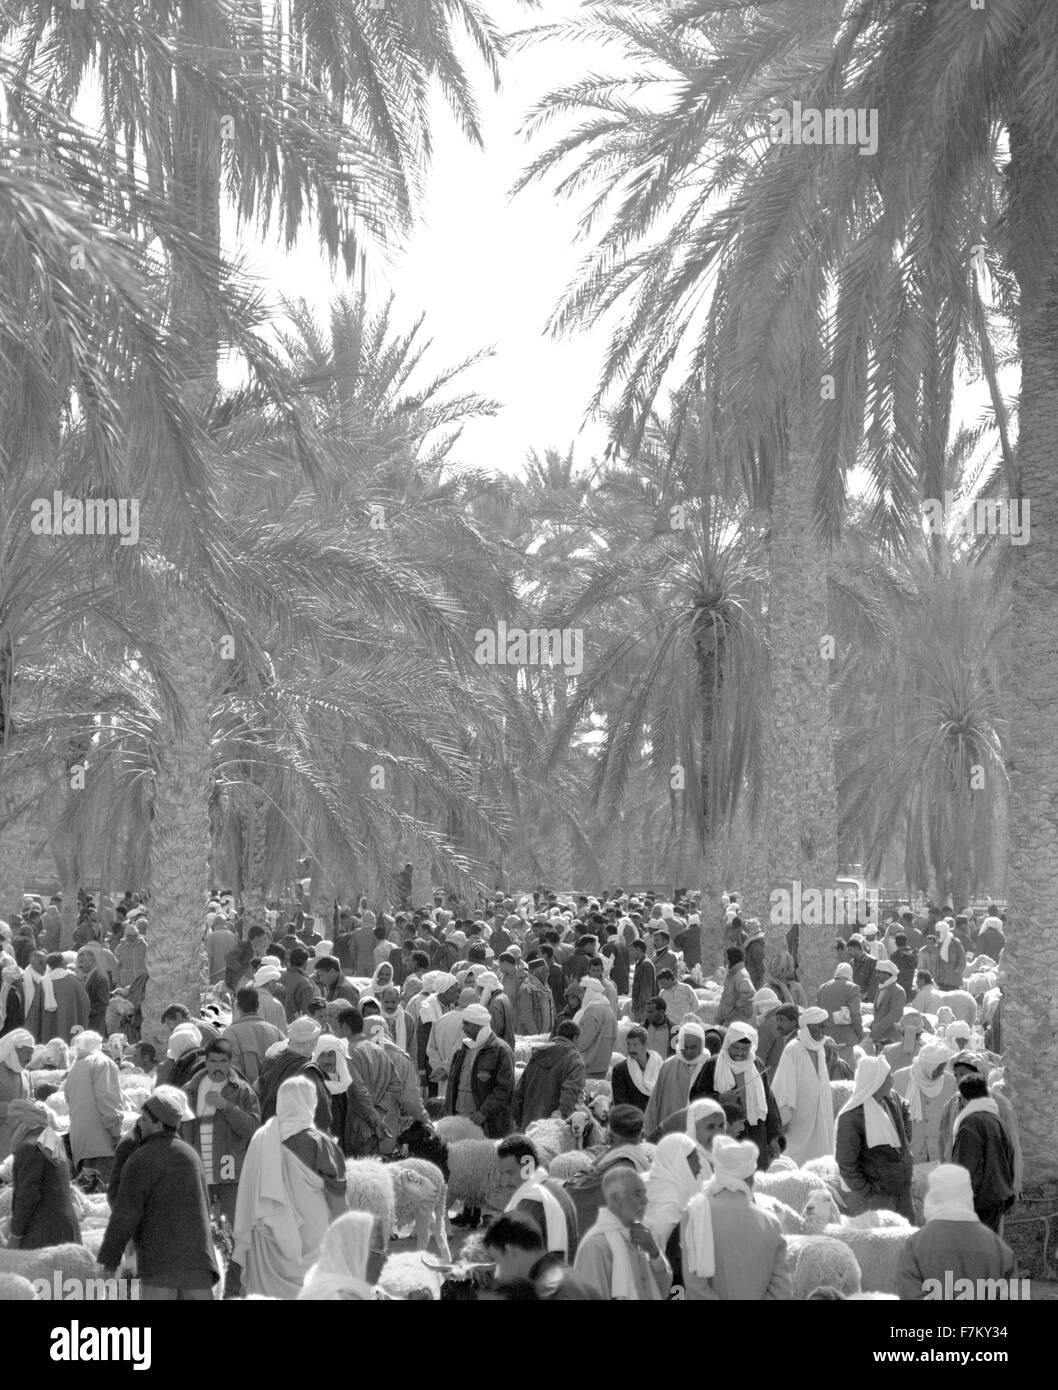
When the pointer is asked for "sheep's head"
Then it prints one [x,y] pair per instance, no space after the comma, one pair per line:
[578,1123]
[600,1108]
[820,1210]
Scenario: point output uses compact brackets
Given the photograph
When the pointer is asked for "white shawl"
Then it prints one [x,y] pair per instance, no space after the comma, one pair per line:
[727,1071]
[644,1079]
[533,1190]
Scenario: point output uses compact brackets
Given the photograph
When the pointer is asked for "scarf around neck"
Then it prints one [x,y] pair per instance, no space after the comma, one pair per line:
[726,1076]
[50,976]
[644,1079]
[556,1234]
[622,1278]
[982,1106]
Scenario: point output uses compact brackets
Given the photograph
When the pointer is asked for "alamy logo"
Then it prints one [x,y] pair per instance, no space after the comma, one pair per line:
[807,125]
[982,1290]
[72,1290]
[537,646]
[77,1343]
[86,516]
[826,907]
[988,516]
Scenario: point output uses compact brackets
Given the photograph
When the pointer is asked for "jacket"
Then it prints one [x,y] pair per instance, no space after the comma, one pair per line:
[767,1131]
[598,1037]
[501,1013]
[841,999]
[736,998]
[97,987]
[534,1009]
[233,1128]
[982,1146]
[41,1204]
[878,1177]
[299,992]
[93,1095]
[949,973]
[250,1038]
[492,1084]
[162,1206]
[553,1080]
[906,962]
[644,988]
[617,951]
[360,1112]
[888,1011]
[865,977]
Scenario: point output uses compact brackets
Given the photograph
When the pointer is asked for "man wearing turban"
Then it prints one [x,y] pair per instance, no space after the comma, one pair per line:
[953,1245]
[873,1147]
[481,1081]
[927,1085]
[735,1074]
[802,1091]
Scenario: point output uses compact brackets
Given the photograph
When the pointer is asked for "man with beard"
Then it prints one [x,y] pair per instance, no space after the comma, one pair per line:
[677,1075]
[802,1092]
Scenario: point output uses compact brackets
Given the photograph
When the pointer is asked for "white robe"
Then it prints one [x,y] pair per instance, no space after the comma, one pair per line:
[810,1130]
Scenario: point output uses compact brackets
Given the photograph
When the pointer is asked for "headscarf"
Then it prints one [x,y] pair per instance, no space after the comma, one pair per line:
[765,1001]
[376,983]
[340,1083]
[919,1083]
[843,971]
[944,937]
[477,1013]
[734,1161]
[671,1184]
[88,1044]
[10,975]
[878,1123]
[342,1265]
[52,974]
[591,989]
[812,1015]
[267,975]
[186,1037]
[489,985]
[295,1106]
[303,1030]
[556,1233]
[728,1071]
[18,1037]
[412,986]
[322,949]
[697,1110]
[644,1079]
[958,1033]
[435,983]
[949,1195]
[695,1064]
[28,1117]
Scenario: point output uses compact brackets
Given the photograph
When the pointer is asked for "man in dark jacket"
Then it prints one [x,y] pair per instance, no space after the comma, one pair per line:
[906,962]
[374,1091]
[863,973]
[162,1206]
[644,980]
[875,1169]
[617,951]
[982,1146]
[97,987]
[295,1058]
[632,1085]
[227,1112]
[298,989]
[330,984]
[481,1081]
[553,1079]
[577,965]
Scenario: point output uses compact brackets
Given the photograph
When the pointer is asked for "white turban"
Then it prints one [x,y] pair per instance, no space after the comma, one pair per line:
[920,1082]
[186,1037]
[727,1072]
[879,1127]
[733,1162]
[591,989]
[341,1081]
[303,1030]
[886,967]
[812,1015]
[18,1037]
[296,1106]
[844,971]
[697,1110]
[489,985]
[765,1001]
[479,1015]
[949,1194]
[87,1044]
[267,975]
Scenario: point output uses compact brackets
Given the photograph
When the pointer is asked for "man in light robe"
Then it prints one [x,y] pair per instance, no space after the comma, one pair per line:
[927,1085]
[731,1249]
[676,1077]
[618,1256]
[802,1091]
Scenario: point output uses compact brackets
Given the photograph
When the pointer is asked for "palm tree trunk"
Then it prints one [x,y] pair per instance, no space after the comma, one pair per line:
[16,844]
[1030,999]
[799,744]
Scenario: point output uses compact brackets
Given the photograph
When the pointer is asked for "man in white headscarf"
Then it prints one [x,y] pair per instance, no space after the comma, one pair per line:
[802,1091]
[292,1186]
[481,1082]
[953,1245]
[889,1005]
[736,1074]
[873,1143]
[59,1005]
[672,1089]
[438,994]
[951,962]
[269,1005]
[93,1094]
[16,1049]
[927,1085]
[290,1061]
[731,1249]
[681,1164]
[501,1011]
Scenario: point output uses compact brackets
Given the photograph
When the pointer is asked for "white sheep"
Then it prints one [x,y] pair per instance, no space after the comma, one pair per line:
[821,1210]
[841,1094]
[791,1222]
[421,1196]
[526,1045]
[550,1138]
[15,1288]
[472,1171]
[369,1187]
[405,1277]
[568,1165]
[877,1252]
[792,1188]
[453,1128]
[962,1004]
[826,1167]
[821,1261]
[68,1261]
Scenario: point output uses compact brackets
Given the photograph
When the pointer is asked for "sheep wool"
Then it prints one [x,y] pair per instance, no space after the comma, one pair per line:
[877,1253]
[369,1187]
[568,1165]
[421,1197]
[472,1171]
[841,1092]
[792,1188]
[453,1128]
[819,1261]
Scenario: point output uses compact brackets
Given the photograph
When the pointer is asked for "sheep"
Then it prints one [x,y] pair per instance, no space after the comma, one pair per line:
[826,1167]
[597,1089]
[568,1165]
[782,1164]
[873,1220]
[468,1164]
[841,1094]
[453,1128]
[821,1210]
[550,1138]
[369,1187]
[980,982]
[67,1261]
[404,1276]
[962,1004]
[877,1252]
[792,1223]
[16,1288]
[792,1188]
[421,1196]
[526,1045]
[821,1261]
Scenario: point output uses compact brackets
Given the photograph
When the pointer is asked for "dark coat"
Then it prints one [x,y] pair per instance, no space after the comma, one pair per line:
[232,1128]
[492,1085]
[97,987]
[617,951]
[42,1208]
[163,1208]
[644,988]
[763,1133]
[754,952]
[553,1080]
[983,1147]
[281,1068]
[625,1092]
[878,1177]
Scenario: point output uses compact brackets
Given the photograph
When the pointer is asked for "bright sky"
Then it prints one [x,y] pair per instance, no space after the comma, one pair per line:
[486,271]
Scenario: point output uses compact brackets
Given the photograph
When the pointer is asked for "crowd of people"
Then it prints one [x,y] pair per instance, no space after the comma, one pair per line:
[307,1052]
